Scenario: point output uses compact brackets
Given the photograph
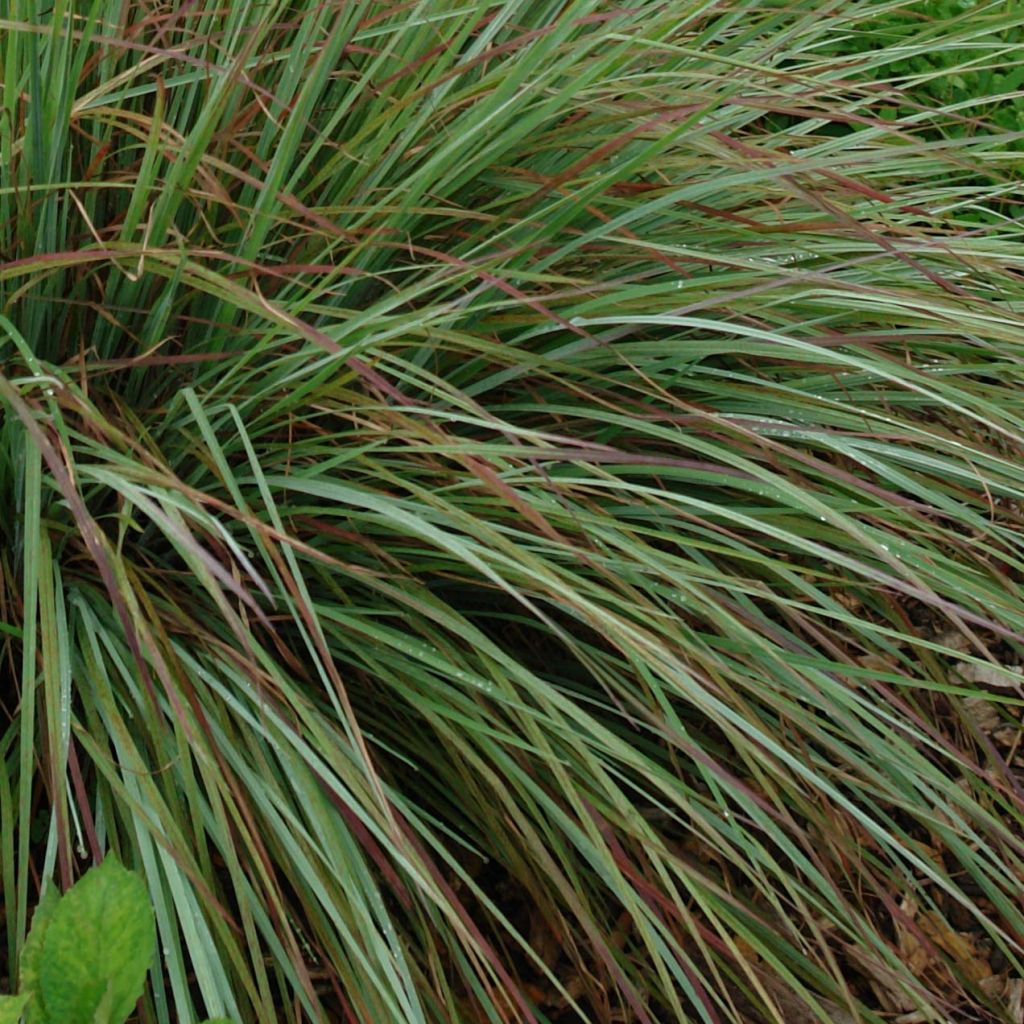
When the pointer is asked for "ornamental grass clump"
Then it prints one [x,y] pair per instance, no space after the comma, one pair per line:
[510,515]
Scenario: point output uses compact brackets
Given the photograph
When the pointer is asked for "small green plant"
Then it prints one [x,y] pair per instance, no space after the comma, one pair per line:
[86,957]
[958,56]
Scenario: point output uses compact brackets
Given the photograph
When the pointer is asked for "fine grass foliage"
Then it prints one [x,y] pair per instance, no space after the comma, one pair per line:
[506,506]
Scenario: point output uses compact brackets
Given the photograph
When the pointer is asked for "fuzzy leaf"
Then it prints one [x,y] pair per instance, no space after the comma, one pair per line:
[105,1011]
[28,975]
[11,1008]
[97,948]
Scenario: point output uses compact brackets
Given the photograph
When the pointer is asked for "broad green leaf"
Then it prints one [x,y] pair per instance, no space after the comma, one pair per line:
[105,1011]
[28,968]
[11,1008]
[97,948]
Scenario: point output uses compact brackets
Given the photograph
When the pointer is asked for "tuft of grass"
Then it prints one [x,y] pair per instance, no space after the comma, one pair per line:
[508,509]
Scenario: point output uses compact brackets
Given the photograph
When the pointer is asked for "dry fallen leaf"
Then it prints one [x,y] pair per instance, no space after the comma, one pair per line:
[913,951]
[926,941]
[1000,677]
[958,946]
[1013,999]
[954,640]
[1008,991]
[794,1011]
[982,713]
